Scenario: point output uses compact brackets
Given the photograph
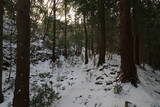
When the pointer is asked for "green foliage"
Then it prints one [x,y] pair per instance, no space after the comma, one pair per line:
[9,6]
[43,96]
[117,89]
[45,75]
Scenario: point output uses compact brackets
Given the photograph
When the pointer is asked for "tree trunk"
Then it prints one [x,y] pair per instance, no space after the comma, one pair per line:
[21,93]
[136,32]
[102,42]
[128,69]
[1,49]
[54,31]
[86,39]
[137,50]
[46,26]
[65,30]
[92,32]
[11,49]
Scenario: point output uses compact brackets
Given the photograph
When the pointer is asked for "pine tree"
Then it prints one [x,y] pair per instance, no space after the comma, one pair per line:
[54,31]
[136,32]
[21,93]
[86,39]
[1,49]
[128,69]
[102,36]
[65,29]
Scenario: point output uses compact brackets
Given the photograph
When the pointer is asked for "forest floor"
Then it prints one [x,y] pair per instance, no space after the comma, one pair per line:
[82,85]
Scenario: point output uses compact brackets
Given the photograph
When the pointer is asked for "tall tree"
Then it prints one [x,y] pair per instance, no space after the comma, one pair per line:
[54,31]
[86,39]
[65,29]
[128,69]
[102,41]
[1,49]
[21,93]
[136,32]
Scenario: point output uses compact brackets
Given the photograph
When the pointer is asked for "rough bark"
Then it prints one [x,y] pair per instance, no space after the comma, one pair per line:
[1,49]
[86,39]
[102,42]
[21,93]
[128,69]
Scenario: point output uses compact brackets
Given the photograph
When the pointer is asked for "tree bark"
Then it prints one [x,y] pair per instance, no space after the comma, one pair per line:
[86,39]
[1,49]
[128,69]
[136,33]
[54,31]
[21,93]
[102,42]
[65,30]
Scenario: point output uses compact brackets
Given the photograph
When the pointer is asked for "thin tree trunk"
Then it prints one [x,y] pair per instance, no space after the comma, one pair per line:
[21,93]
[1,49]
[54,31]
[12,32]
[102,42]
[65,30]
[92,32]
[128,69]
[11,54]
[46,26]
[86,39]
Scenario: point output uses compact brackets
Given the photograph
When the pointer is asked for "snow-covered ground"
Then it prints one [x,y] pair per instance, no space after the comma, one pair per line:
[82,85]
